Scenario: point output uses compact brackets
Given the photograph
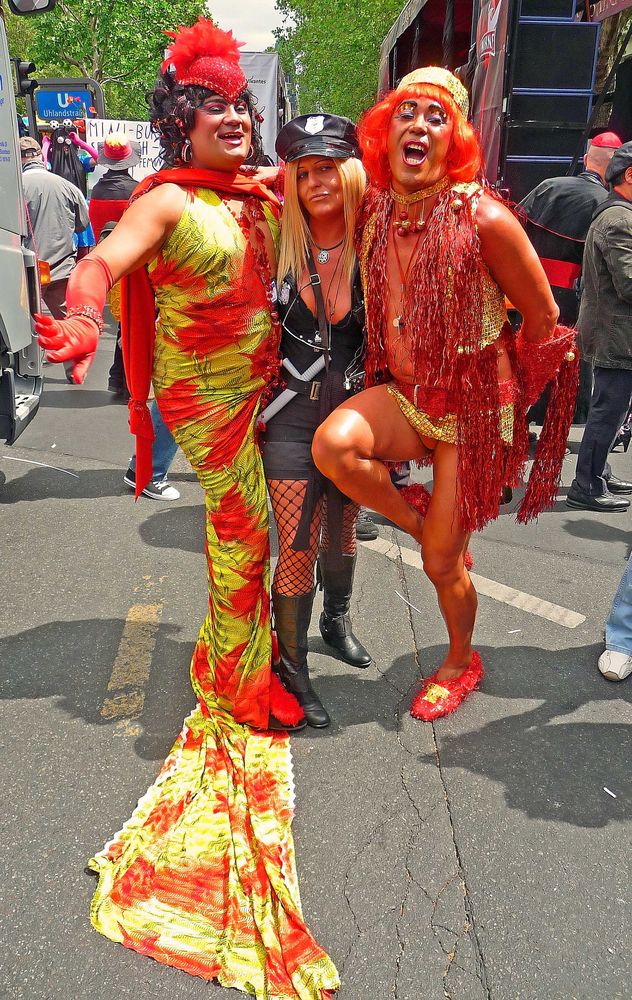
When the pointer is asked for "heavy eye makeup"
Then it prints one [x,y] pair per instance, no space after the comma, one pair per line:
[219,107]
[434,115]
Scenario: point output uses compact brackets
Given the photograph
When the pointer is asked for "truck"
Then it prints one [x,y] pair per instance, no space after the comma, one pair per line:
[544,76]
[267,82]
[21,378]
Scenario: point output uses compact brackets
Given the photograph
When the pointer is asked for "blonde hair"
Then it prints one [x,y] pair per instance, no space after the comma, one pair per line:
[294,226]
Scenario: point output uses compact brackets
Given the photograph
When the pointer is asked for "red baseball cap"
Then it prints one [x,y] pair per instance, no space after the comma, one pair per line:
[607,140]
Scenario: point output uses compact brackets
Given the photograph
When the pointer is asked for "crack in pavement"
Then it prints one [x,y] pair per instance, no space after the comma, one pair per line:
[469,926]
[449,949]
[347,875]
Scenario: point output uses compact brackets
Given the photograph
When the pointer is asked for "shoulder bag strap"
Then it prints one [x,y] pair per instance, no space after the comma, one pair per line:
[321,316]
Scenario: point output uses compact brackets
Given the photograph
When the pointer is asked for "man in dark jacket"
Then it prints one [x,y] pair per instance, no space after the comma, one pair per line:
[605,334]
[558,214]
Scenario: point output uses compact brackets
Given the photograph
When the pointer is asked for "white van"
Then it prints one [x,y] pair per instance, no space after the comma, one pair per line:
[20,356]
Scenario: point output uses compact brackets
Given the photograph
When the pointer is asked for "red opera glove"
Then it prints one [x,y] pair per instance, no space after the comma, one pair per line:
[540,361]
[76,337]
[66,339]
[553,363]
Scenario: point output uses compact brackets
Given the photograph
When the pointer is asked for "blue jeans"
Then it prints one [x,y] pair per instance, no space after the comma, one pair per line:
[619,624]
[163,448]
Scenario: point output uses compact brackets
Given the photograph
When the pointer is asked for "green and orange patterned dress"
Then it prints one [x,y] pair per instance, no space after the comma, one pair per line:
[203,875]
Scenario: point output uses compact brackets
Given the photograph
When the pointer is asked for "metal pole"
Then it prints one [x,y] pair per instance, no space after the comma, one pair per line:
[31,115]
[448,35]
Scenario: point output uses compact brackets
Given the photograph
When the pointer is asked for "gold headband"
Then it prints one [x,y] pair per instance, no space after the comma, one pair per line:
[439,78]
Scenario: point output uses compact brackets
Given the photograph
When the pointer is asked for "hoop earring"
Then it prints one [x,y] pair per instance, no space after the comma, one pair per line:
[187,153]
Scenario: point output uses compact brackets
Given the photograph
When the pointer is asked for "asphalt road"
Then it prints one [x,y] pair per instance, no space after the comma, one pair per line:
[484,858]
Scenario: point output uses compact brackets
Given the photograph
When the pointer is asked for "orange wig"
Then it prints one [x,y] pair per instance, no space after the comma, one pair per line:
[464,158]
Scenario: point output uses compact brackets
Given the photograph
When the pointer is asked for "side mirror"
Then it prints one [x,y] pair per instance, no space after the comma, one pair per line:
[27,8]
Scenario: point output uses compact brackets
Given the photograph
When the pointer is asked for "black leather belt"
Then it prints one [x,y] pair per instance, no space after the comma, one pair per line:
[311,389]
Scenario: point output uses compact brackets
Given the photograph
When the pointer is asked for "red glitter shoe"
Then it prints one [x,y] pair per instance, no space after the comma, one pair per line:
[437,698]
[417,496]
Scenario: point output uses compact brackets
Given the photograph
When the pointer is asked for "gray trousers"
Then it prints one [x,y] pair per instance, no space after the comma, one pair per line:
[609,405]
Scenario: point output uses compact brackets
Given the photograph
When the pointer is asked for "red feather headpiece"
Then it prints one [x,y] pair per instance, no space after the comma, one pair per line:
[205,55]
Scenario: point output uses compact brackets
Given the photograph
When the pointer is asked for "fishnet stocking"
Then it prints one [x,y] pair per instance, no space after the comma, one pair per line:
[349,518]
[294,573]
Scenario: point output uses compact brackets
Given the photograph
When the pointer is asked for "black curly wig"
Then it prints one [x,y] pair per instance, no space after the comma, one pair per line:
[172,114]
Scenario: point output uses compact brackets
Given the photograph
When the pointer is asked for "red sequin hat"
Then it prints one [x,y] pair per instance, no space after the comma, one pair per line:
[207,56]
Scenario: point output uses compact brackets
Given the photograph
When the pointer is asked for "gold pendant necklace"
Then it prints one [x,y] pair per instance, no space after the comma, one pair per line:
[422,194]
[406,226]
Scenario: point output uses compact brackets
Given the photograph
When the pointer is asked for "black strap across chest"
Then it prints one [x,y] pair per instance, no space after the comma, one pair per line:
[321,315]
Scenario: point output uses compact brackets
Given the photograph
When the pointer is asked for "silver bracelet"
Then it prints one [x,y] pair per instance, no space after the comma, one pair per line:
[89,312]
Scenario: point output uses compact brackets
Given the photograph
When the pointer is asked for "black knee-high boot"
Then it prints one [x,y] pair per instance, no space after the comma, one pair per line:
[335,623]
[292,616]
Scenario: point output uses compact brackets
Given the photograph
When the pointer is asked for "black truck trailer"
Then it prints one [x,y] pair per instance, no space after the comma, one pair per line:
[544,76]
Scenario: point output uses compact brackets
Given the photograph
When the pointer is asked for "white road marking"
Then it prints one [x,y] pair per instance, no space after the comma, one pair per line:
[490,588]
[42,465]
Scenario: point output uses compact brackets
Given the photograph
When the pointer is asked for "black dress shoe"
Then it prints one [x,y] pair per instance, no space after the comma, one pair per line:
[618,486]
[606,502]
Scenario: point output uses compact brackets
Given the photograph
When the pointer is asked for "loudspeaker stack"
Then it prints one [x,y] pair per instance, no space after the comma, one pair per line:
[550,92]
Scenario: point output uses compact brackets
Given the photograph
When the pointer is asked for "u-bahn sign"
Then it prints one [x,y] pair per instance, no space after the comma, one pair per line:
[69,97]
[52,104]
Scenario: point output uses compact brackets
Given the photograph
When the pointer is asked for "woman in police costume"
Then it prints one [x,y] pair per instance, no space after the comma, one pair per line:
[322,318]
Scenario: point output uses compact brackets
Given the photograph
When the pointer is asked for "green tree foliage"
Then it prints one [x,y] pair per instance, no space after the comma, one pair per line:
[331,48]
[20,33]
[118,44]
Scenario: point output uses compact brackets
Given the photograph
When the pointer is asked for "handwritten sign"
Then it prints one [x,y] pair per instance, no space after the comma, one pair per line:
[97,129]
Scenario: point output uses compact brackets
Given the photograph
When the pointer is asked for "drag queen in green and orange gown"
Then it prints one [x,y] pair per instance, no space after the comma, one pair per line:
[203,875]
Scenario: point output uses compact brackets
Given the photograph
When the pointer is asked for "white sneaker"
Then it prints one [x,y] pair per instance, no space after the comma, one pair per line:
[161,490]
[615,666]
[158,489]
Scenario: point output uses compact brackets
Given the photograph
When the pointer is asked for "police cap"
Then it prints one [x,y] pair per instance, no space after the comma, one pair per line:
[317,135]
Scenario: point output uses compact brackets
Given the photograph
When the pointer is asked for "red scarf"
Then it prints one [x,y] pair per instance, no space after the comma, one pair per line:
[138,307]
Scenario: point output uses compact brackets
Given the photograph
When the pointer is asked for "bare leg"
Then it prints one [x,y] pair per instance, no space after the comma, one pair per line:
[443,548]
[350,448]
[347,448]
